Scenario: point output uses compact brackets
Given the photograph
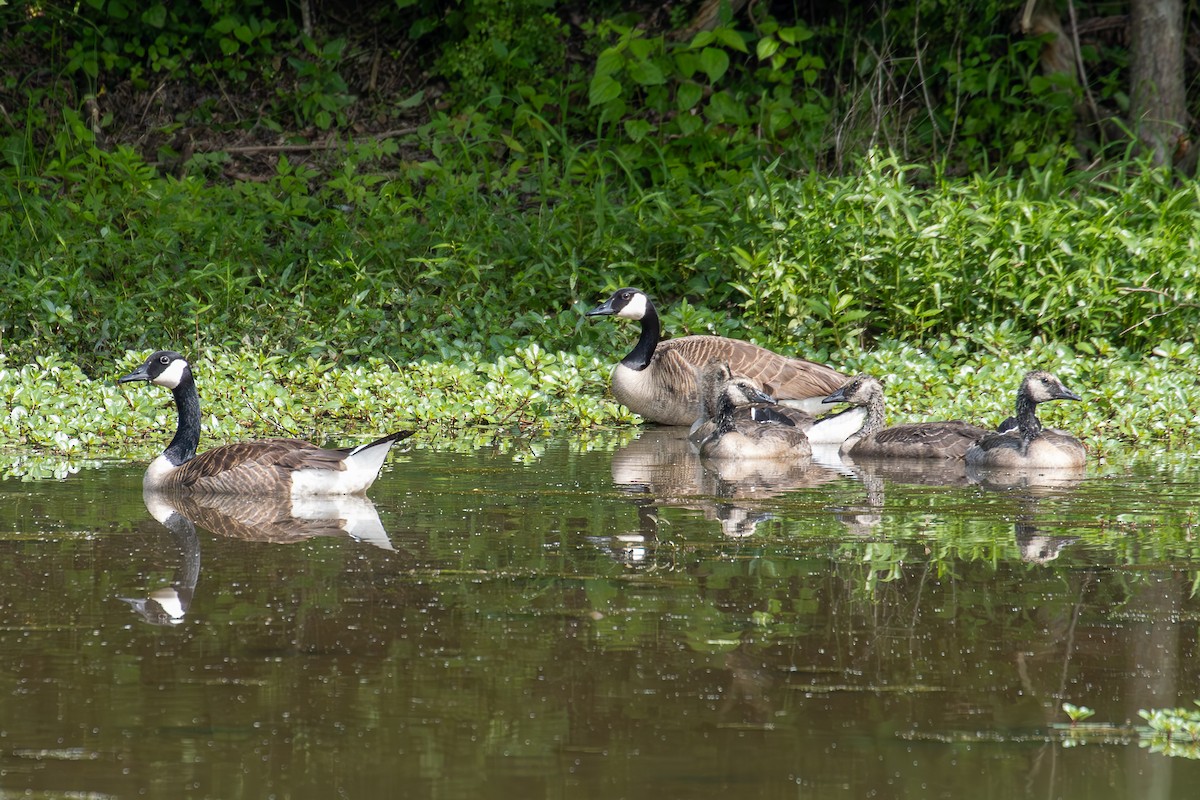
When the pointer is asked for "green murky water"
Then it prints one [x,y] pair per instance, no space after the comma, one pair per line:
[604,619]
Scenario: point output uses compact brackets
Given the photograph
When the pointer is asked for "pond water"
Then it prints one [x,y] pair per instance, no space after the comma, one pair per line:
[603,617]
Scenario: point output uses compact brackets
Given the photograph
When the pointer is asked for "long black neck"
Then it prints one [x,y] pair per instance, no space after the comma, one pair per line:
[187,436]
[724,419]
[1027,419]
[643,351]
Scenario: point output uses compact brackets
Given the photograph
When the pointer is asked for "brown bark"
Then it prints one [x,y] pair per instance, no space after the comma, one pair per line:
[1156,76]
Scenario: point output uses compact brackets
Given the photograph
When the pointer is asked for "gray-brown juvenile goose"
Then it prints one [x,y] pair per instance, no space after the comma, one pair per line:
[263,466]
[1031,445]
[764,409]
[949,439]
[659,379]
[746,425]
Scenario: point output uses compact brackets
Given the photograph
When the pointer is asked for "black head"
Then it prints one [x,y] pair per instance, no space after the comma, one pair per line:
[164,367]
[857,391]
[628,303]
[1040,386]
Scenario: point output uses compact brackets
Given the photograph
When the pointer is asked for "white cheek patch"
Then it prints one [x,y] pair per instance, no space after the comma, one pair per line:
[172,375]
[635,308]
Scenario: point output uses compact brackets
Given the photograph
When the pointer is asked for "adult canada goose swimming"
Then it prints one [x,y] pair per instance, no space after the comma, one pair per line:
[263,466]
[1031,445]
[659,379]
[746,425]
[950,439]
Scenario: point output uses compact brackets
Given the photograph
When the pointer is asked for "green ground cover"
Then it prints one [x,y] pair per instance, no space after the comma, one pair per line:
[437,275]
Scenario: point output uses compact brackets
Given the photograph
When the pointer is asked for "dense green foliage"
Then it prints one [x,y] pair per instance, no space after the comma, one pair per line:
[464,252]
[933,81]
[107,255]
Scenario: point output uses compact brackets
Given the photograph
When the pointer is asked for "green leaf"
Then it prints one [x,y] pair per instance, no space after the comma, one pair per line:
[609,62]
[686,63]
[646,73]
[603,90]
[688,95]
[641,48]
[731,38]
[512,143]
[766,48]
[714,62]
[637,129]
[228,46]
[155,16]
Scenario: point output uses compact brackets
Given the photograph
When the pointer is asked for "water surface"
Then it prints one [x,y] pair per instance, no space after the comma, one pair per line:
[601,618]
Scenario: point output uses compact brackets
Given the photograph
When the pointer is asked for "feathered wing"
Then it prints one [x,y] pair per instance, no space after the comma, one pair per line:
[267,465]
[259,465]
[783,377]
[949,439]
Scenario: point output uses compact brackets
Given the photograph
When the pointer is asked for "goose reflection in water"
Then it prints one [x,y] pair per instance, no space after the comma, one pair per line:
[661,468]
[282,520]
[168,605]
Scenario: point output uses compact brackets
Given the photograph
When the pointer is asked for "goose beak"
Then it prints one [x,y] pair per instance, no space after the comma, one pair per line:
[762,397]
[837,397]
[605,309]
[1064,393]
[139,374]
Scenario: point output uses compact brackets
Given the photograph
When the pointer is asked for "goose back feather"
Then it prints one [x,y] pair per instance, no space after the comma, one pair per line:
[949,439]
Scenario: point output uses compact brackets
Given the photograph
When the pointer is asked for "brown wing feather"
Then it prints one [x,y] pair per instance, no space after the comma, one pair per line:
[782,376]
[261,463]
[950,439]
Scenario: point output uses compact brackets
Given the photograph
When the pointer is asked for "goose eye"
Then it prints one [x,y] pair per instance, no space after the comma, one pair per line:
[164,360]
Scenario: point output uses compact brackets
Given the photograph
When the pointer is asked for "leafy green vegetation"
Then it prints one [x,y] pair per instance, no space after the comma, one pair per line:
[436,274]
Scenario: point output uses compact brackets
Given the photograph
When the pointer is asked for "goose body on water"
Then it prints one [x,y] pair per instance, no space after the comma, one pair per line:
[262,466]
[660,379]
[948,440]
[747,424]
[1030,445]
[754,405]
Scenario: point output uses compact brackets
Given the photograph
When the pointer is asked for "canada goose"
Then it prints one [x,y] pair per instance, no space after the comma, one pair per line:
[658,379]
[168,605]
[263,466]
[950,439]
[713,380]
[745,429]
[1031,445]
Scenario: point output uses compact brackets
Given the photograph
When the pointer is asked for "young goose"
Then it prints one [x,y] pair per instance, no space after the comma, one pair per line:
[1031,445]
[745,425]
[258,467]
[713,380]
[659,379]
[949,439]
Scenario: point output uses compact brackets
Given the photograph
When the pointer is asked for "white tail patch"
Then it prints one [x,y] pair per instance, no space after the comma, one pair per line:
[362,467]
[837,428]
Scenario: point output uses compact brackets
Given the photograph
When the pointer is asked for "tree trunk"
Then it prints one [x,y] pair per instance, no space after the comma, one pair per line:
[1157,96]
